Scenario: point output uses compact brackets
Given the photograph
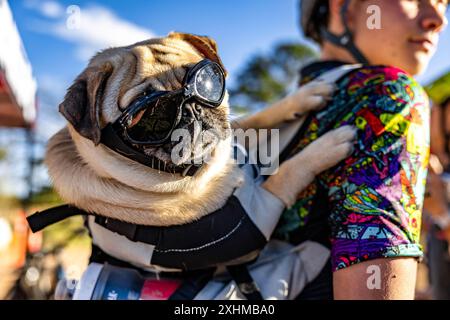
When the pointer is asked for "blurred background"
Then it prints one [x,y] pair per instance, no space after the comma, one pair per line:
[45,44]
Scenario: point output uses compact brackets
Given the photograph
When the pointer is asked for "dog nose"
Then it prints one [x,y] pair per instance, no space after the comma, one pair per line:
[192,112]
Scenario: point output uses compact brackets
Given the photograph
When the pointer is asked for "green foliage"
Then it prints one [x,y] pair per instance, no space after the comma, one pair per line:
[46,196]
[3,154]
[267,78]
[439,90]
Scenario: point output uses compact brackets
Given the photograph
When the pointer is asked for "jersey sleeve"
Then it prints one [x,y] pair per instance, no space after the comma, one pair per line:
[376,195]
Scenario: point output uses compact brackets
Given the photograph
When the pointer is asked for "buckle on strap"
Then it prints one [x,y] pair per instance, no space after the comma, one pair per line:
[123,228]
[245,282]
[248,288]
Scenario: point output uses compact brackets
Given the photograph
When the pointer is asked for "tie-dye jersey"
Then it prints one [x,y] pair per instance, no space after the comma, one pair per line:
[371,203]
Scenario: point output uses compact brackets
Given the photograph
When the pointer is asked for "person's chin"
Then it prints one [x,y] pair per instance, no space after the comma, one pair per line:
[416,64]
[421,62]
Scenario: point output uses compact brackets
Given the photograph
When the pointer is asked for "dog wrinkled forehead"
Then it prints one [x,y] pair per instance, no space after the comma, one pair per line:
[206,46]
[162,63]
[176,50]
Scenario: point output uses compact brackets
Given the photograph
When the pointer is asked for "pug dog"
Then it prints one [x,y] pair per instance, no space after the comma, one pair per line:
[115,156]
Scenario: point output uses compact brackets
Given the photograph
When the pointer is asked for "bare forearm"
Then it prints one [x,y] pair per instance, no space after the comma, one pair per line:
[268,118]
[287,183]
[380,279]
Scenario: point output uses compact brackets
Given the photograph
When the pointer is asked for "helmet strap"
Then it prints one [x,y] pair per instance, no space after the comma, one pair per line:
[345,40]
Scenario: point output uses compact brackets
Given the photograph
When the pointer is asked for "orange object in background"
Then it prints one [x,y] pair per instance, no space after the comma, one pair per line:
[5,235]
[35,240]
[20,240]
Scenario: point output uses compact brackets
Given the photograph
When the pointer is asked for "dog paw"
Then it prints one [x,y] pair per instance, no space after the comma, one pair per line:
[317,94]
[330,149]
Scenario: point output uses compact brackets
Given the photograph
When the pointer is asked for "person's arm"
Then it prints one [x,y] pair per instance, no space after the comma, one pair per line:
[376,195]
[312,96]
[379,279]
[245,223]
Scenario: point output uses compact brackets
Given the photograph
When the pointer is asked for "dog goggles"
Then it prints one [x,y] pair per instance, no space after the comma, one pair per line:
[151,119]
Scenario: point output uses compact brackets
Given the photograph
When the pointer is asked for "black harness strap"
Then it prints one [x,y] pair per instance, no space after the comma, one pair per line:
[192,285]
[110,139]
[42,219]
[133,232]
[345,40]
[165,239]
[245,282]
[140,233]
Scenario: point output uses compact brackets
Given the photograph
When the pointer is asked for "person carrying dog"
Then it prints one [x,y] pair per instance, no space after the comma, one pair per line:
[368,208]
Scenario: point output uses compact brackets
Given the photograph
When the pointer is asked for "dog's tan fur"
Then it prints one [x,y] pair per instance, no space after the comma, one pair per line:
[99,180]
[92,177]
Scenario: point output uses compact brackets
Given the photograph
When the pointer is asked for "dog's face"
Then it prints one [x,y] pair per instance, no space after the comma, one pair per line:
[116,77]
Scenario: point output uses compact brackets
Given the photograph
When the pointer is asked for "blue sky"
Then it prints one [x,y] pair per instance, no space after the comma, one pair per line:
[241,28]
[57,53]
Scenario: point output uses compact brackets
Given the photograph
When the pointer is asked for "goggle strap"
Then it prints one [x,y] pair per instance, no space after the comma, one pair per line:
[111,140]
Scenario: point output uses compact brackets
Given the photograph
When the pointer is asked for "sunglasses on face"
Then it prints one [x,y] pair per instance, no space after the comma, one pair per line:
[151,119]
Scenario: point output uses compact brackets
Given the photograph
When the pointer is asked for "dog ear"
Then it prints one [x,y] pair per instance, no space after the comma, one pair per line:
[205,45]
[82,102]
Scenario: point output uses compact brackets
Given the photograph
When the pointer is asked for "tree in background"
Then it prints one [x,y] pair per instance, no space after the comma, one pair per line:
[269,77]
[439,90]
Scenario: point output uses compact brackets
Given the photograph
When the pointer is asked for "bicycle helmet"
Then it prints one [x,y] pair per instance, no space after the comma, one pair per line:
[314,11]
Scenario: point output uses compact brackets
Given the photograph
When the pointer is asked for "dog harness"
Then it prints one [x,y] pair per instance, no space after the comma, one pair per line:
[241,228]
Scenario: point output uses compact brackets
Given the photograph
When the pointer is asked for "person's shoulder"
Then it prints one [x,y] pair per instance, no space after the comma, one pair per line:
[385,83]
[379,76]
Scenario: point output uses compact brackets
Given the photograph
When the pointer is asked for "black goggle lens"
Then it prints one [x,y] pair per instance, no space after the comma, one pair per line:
[209,83]
[155,122]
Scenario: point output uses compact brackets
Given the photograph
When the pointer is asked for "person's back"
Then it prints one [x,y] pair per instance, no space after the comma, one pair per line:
[369,206]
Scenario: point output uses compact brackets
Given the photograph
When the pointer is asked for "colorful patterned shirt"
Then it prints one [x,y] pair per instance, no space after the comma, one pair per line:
[369,205]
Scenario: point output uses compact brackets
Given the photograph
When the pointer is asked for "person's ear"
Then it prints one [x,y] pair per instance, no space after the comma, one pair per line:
[206,46]
[82,103]
[335,21]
